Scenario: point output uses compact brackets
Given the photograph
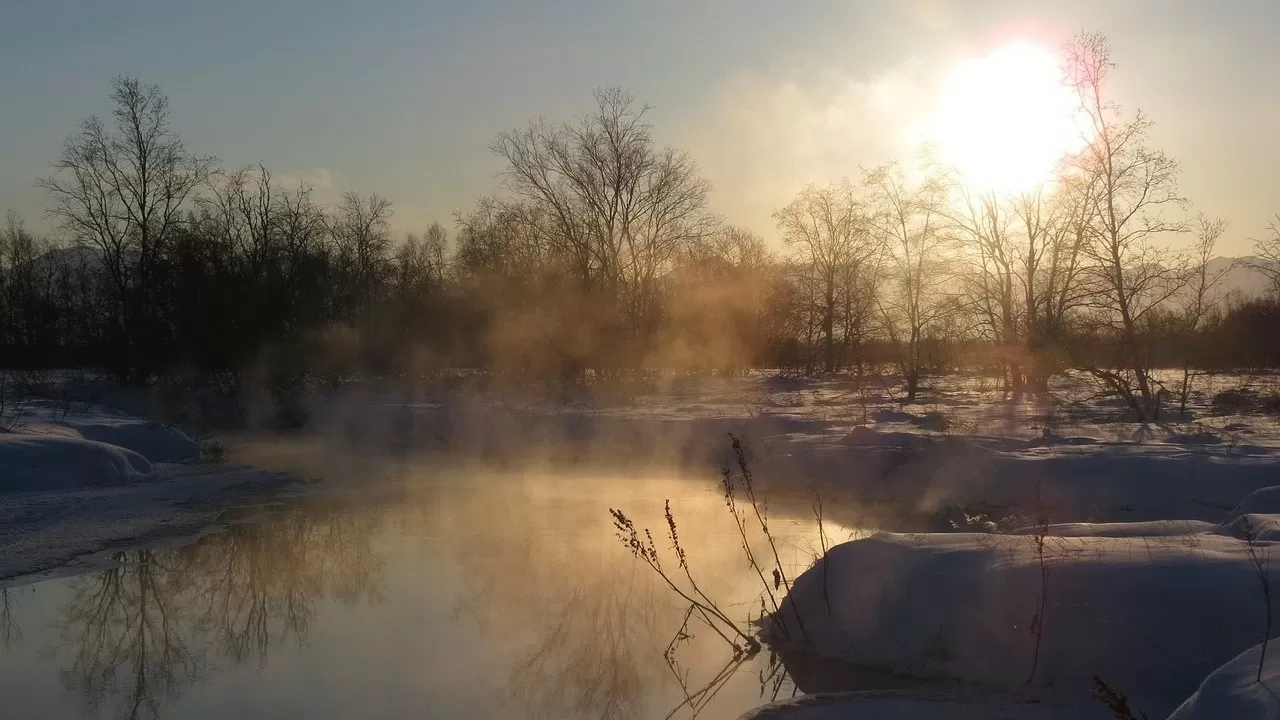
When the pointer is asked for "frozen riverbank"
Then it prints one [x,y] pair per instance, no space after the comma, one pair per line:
[77,482]
[1152,608]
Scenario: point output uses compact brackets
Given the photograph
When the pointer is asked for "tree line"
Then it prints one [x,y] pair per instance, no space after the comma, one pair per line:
[599,256]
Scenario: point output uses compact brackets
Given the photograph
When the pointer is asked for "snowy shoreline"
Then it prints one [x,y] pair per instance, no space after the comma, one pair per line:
[1162,610]
[76,483]
[1142,543]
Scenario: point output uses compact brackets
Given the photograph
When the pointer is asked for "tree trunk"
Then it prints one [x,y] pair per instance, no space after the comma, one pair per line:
[913,383]
[828,330]
[1186,383]
[1144,404]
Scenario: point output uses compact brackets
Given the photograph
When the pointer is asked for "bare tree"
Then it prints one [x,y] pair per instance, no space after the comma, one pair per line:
[833,235]
[1266,252]
[303,231]
[1026,272]
[243,203]
[1133,185]
[989,225]
[529,311]
[501,239]
[1054,277]
[122,189]
[26,277]
[1200,298]
[420,261]
[618,208]
[362,237]
[912,224]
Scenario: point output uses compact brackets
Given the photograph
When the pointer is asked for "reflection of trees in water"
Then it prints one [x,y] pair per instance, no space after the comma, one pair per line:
[542,562]
[127,638]
[151,624]
[596,656]
[598,620]
[256,585]
[601,655]
[536,568]
[8,626]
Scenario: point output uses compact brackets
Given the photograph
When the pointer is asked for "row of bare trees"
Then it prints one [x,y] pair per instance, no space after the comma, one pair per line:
[1088,271]
[600,256]
[1081,272]
[166,261]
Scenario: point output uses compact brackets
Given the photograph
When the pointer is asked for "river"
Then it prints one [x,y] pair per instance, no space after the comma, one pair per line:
[415,587]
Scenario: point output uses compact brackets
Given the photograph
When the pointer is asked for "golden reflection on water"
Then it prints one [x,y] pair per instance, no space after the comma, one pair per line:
[539,551]
[158,620]
[532,566]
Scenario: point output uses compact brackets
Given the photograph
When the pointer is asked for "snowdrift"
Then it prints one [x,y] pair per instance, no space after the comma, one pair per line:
[912,705]
[1151,528]
[1234,690]
[72,484]
[1262,501]
[156,443]
[47,463]
[1073,481]
[1152,615]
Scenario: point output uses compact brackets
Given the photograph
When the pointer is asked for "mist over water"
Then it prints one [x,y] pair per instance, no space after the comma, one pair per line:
[458,590]
[594,442]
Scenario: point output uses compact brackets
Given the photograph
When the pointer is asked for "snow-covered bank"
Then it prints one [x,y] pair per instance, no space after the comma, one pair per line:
[54,463]
[72,484]
[961,445]
[155,442]
[40,531]
[1236,691]
[893,464]
[1153,615]
[929,705]
[1233,691]
[1092,482]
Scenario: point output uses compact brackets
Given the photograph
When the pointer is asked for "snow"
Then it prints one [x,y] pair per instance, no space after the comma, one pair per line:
[962,444]
[889,416]
[1261,527]
[955,405]
[1151,583]
[50,463]
[917,705]
[155,442]
[1264,500]
[41,531]
[1150,580]
[867,437]
[75,483]
[1094,482]
[1152,528]
[1234,691]
[1151,614]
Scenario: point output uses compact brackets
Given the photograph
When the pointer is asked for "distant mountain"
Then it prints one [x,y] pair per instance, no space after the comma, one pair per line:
[1241,276]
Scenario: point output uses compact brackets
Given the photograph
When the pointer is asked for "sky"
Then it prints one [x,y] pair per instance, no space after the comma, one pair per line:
[403,97]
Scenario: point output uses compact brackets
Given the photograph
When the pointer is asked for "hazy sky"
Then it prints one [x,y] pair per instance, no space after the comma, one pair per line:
[402,97]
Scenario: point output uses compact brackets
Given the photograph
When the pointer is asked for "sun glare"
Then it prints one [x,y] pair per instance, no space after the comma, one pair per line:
[1006,120]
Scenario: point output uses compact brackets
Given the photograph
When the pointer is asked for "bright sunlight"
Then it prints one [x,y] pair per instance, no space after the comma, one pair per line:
[1006,120]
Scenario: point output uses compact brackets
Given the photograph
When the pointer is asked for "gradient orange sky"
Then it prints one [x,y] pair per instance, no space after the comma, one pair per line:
[402,97]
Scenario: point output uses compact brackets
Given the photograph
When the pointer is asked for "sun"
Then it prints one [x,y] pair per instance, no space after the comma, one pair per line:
[1006,120]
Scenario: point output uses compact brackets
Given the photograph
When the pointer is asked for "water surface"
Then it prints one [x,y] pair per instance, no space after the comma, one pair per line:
[417,589]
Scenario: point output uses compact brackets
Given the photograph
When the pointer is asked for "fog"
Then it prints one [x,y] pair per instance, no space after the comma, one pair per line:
[592,449]
[464,590]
